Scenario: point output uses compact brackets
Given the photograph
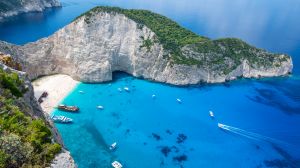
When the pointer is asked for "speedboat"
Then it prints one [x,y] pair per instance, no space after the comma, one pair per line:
[116,164]
[100,107]
[119,89]
[126,89]
[61,119]
[179,100]
[68,108]
[153,96]
[221,125]
[80,91]
[211,114]
[113,146]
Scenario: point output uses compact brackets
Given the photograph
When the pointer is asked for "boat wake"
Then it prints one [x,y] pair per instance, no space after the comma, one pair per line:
[255,136]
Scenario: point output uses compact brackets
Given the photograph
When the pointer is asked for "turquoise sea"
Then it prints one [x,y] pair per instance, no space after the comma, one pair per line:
[263,115]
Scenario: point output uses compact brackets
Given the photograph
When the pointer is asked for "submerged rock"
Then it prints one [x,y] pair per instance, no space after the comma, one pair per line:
[165,150]
[180,158]
[181,138]
[156,136]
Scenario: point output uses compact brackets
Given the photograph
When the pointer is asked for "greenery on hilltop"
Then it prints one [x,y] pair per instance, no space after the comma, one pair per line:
[24,141]
[223,54]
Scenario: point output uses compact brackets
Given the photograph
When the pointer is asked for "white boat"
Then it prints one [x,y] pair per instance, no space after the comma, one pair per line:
[179,100]
[61,119]
[126,89]
[119,89]
[116,164]
[222,126]
[211,114]
[153,96]
[80,91]
[100,107]
[113,146]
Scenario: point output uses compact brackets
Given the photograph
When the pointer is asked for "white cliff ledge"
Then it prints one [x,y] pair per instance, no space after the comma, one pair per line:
[108,39]
[14,7]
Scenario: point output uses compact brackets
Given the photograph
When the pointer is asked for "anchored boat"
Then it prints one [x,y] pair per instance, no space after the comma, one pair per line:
[113,146]
[116,164]
[179,100]
[126,89]
[211,114]
[61,119]
[68,108]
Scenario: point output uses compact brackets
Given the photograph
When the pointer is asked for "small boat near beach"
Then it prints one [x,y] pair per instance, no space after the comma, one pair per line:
[113,146]
[80,91]
[61,119]
[68,108]
[126,89]
[211,114]
[116,164]
[179,100]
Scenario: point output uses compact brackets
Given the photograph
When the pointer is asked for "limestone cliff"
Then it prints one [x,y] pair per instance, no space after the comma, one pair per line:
[14,7]
[18,104]
[146,45]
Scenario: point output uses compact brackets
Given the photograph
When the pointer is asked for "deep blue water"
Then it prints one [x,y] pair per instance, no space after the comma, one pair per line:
[268,107]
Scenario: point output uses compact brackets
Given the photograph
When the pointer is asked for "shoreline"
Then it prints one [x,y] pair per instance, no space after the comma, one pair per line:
[57,86]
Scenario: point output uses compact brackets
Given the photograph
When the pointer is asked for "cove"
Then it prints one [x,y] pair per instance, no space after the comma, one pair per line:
[149,130]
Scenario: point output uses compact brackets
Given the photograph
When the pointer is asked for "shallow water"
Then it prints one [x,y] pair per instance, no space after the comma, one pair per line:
[144,127]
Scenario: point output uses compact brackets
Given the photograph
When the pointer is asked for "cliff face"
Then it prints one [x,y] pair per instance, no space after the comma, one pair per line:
[27,105]
[14,7]
[95,45]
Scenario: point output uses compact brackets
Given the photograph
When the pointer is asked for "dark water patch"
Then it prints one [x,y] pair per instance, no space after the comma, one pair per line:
[276,163]
[274,99]
[165,150]
[169,132]
[180,158]
[156,136]
[97,136]
[287,157]
[181,138]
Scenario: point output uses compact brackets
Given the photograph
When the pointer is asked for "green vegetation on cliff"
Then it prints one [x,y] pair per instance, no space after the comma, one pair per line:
[188,48]
[24,141]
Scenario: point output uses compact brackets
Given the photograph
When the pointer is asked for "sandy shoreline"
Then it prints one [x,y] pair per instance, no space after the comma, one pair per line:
[57,86]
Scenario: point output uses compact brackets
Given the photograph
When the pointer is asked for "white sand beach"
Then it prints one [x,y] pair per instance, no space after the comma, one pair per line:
[57,86]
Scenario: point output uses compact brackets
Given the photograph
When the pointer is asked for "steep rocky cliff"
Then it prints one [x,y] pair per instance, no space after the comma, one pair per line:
[14,7]
[28,137]
[146,45]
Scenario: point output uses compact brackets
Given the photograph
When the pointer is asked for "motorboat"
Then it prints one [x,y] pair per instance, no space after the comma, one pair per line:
[113,146]
[179,100]
[211,114]
[80,91]
[100,107]
[126,89]
[221,125]
[68,108]
[153,96]
[119,89]
[116,164]
[61,119]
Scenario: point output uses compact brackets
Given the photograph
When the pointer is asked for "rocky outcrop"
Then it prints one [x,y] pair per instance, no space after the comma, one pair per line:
[14,7]
[30,107]
[92,47]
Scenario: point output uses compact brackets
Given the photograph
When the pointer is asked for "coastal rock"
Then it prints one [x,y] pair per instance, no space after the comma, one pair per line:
[99,43]
[29,105]
[13,7]
[63,160]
